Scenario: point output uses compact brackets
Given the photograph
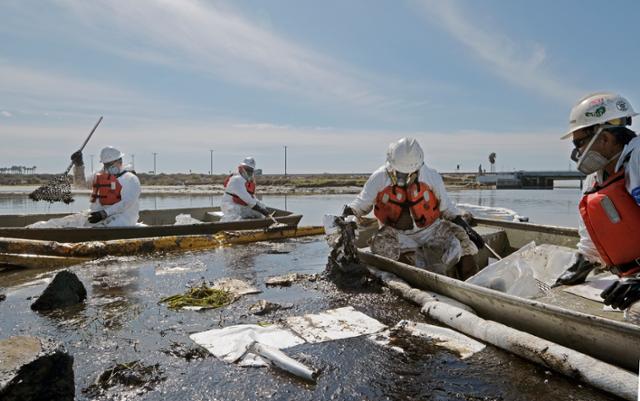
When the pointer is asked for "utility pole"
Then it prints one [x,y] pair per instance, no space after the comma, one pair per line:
[92,170]
[211,170]
[285,162]
[133,161]
[154,163]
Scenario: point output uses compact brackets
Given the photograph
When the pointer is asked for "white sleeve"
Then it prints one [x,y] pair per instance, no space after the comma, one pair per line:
[447,207]
[632,175]
[365,200]
[236,186]
[129,194]
[586,246]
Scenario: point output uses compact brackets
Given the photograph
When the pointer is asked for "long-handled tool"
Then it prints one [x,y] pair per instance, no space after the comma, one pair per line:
[276,226]
[494,253]
[59,188]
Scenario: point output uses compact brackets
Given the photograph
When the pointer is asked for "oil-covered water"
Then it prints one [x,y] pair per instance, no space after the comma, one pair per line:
[122,322]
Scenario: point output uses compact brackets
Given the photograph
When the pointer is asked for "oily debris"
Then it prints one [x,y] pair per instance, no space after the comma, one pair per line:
[56,190]
[285,280]
[129,375]
[185,352]
[200,297]
[386,243]
[343,258]
[263,307]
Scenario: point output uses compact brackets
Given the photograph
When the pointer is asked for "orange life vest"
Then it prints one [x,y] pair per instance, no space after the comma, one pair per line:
[249,185]
[612,218]
[418,197]
[106,189]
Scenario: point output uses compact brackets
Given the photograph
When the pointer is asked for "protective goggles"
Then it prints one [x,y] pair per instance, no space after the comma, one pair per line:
[593,133]
[578,143]
[588,140]
[614,123]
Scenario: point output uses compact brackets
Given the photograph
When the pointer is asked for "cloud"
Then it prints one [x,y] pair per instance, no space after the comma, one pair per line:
[520,64]
[6,113]
[218,41]
[36,89]
[35,93]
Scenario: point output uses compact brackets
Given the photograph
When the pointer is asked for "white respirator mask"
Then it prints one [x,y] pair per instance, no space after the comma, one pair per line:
[591,161]
[112,169]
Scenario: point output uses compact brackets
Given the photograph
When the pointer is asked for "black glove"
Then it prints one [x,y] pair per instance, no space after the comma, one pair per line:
[622,293]
[347,211]
[261,209]
[576,273]
[473,235]
[76,158]
[98,216]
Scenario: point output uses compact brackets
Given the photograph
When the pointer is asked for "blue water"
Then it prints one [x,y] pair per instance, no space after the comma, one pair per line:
[556,207]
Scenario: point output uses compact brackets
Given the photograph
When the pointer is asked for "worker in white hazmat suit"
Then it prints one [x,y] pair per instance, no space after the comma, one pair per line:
[239,201]
[115,191]
[609,154]
[413,210]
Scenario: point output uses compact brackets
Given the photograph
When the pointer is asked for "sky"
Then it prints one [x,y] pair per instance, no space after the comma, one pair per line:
[333,81]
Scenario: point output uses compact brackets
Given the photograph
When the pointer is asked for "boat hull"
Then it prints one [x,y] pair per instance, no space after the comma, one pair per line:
[609,340]
[159,224]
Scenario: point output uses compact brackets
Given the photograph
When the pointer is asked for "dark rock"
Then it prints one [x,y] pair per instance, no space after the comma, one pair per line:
[65,290]
[2,297]
[34,369]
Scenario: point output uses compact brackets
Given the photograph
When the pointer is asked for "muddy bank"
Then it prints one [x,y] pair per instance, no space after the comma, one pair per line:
[200,184]
[122,322]
[219,190]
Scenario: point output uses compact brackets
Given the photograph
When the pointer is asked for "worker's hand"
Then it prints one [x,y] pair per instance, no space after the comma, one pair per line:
[98,216]
[473,235]
[261,209]
[348,211]
[622,293]
[76,158]
[577,272]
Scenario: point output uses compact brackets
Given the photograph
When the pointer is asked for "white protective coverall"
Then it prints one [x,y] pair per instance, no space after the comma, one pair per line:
[233,211]
[632,183]
[121,214]
[451,238]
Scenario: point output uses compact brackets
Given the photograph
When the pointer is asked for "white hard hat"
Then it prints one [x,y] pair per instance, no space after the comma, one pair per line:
[110,154]
[249,162]
[599,108]
[405,156]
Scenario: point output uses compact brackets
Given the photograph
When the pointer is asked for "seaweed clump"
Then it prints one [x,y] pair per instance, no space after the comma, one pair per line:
[201,297]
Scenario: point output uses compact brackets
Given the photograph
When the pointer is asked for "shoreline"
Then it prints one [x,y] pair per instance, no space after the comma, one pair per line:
[217,189]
